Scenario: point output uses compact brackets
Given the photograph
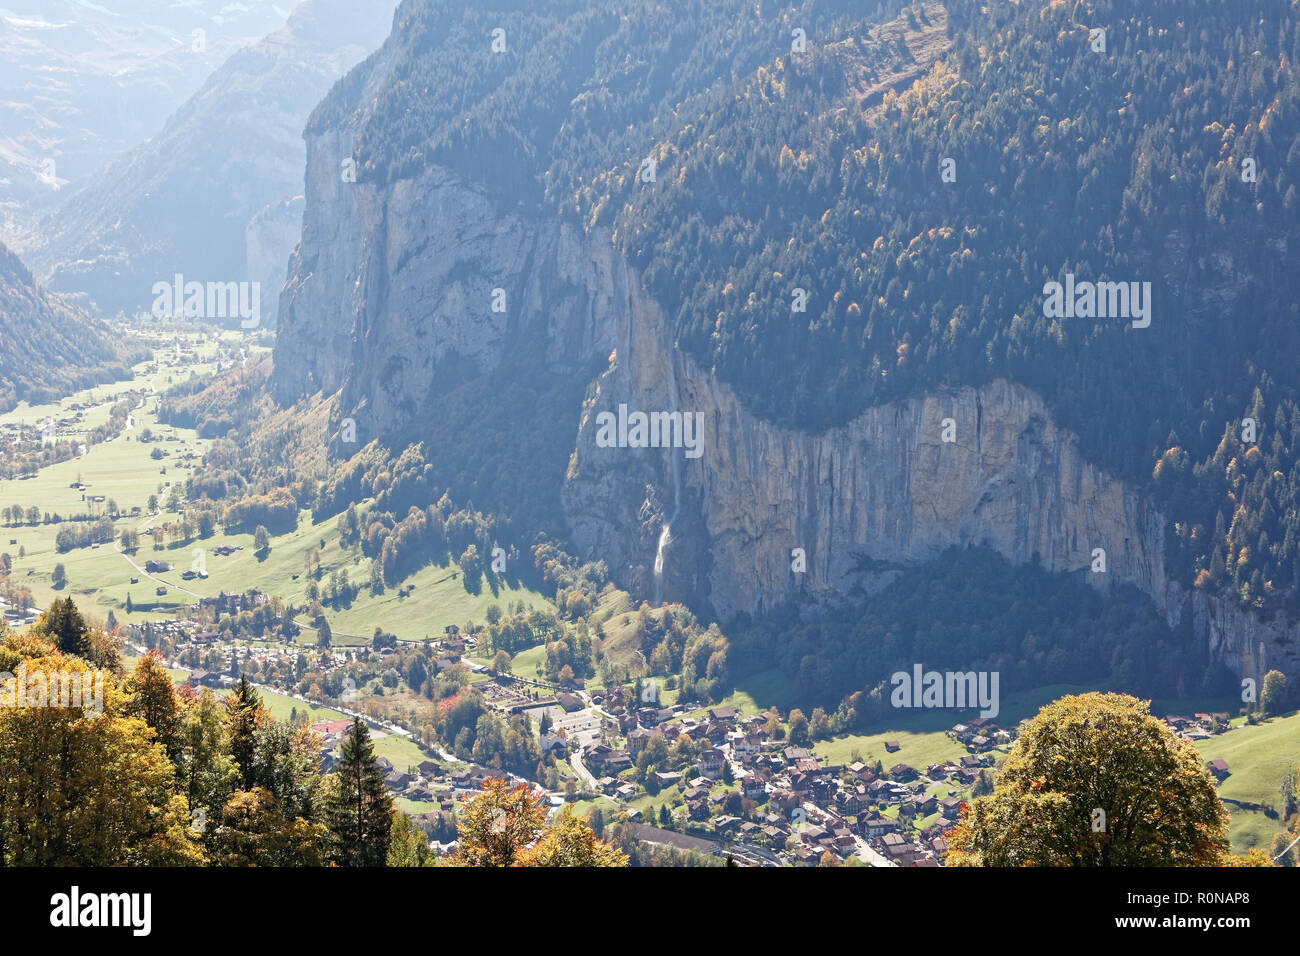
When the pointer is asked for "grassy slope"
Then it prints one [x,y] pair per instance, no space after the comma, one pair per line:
[1258,757]
[99,578]
[121,470]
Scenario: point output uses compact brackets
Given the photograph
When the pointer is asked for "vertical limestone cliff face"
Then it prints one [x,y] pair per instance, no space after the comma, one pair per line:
[269,238]
[391,283]
[881,491]
[886,487]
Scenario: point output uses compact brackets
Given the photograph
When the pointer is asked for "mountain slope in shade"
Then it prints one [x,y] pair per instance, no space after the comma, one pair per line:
[644,216]
[49,347]
[203,197]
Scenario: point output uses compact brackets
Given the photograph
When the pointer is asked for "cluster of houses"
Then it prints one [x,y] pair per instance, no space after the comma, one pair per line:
[21,432]
[16,616]
[213,679]
[232,602]
[981,734]
[1202,727]
[802,808]
[1198,726]
[427,782]
[847,803]
[432,783]
[149,633]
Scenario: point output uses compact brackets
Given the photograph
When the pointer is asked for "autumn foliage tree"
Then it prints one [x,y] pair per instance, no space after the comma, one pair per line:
[506,826]
[151,696]
[408,846]
[254,831]
[570,841]
[497,824]
[1095,780]
[79,788]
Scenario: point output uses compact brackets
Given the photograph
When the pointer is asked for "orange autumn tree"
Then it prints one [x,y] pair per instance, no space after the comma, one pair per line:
[82,782]
[506,826]
[1095,780]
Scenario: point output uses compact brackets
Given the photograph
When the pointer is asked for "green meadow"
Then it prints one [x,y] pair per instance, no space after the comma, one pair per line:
[123,470]
[1258,757]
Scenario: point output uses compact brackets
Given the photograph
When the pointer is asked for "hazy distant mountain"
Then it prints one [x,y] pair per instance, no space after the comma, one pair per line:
[83,82]
[208,196]
[48,347]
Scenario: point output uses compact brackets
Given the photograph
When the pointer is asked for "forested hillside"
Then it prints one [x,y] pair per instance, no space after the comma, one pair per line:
[1123,165]
[49,348]
[1163,153]
[566,92]
[971,609]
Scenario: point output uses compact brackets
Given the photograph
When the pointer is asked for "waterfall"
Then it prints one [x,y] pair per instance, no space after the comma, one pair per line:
[665,537]
[675,467]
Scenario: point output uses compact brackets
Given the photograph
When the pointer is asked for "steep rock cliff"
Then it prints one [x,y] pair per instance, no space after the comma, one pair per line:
[393,282]
[884,489]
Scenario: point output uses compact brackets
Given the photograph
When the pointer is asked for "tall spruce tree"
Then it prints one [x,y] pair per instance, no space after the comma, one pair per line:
[65,625]
[359,810]
[244,715]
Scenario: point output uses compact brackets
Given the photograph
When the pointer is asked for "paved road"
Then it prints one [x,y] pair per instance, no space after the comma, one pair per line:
[575,761]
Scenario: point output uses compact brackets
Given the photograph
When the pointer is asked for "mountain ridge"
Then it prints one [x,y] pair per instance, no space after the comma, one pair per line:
[49,347]
[207,196]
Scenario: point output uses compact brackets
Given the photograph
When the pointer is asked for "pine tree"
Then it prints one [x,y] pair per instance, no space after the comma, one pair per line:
[64,623]
[244,715]
[359,810]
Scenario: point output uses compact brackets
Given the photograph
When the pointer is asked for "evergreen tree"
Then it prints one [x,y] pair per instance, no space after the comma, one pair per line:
[359,809]
[64,624]
[244,715]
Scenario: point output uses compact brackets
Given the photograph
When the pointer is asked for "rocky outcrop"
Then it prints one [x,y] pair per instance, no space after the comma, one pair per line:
[392,282]
[268,240]
[386,285]
[888,488]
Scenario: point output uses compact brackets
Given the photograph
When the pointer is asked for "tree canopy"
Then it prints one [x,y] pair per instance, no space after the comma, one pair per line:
[1095,780]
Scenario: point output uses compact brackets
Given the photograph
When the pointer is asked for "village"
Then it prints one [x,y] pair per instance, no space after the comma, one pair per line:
[736,789]
[744,793]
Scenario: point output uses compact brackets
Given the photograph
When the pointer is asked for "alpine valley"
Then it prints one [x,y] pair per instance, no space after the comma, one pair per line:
[643,390]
